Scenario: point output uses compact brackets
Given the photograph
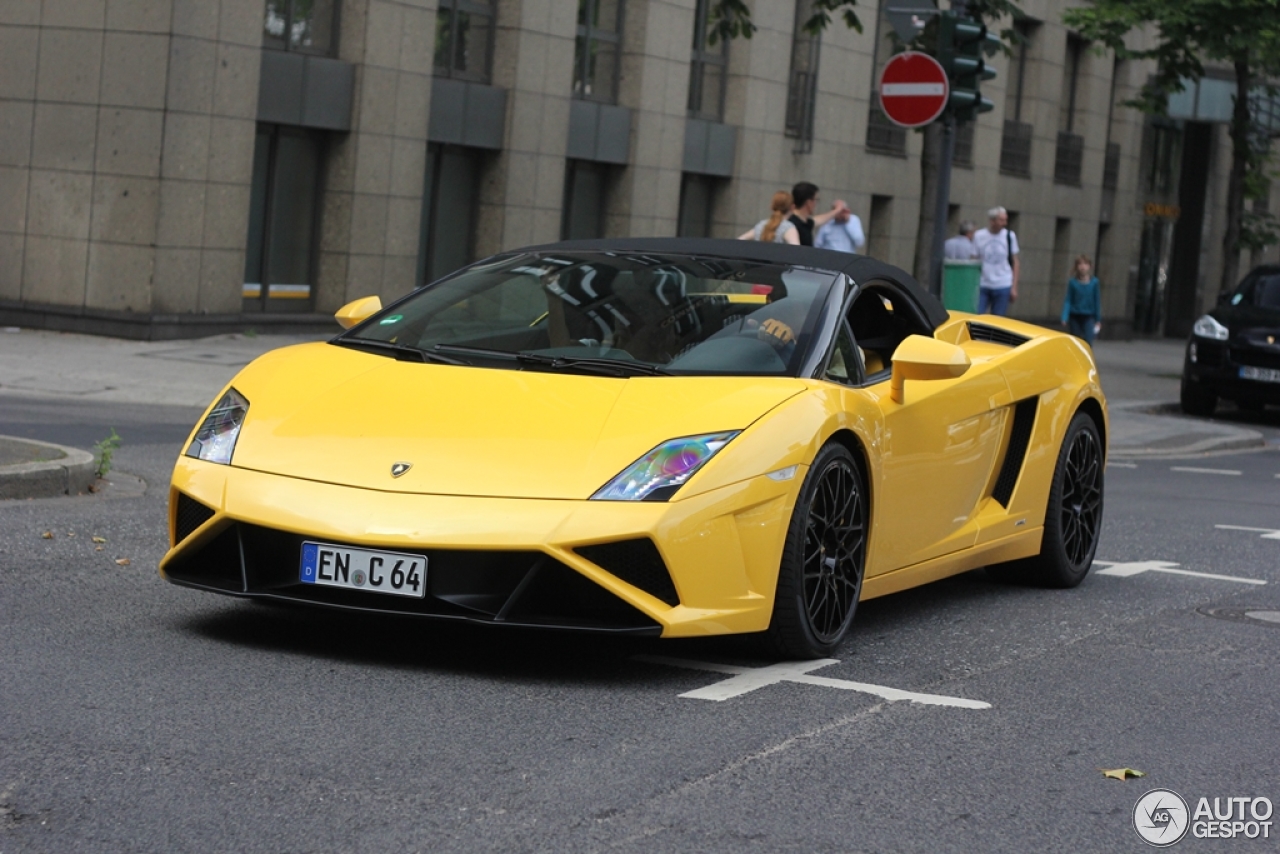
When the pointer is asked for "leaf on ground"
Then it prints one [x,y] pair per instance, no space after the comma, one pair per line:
[48,535]
[1121,773]
[123,561]
[97,548]
[99,539]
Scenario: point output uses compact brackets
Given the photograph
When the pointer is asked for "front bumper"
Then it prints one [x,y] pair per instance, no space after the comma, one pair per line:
[1216,365]
[494,560]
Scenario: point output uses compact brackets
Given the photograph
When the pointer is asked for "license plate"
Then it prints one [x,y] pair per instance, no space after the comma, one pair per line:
[364,569]
[1266,375]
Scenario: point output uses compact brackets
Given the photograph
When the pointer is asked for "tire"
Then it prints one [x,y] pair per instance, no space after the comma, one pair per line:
[1073,518]
[820,577]
[1198,400]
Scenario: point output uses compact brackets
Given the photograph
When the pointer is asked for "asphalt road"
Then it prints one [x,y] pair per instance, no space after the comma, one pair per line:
[138,716]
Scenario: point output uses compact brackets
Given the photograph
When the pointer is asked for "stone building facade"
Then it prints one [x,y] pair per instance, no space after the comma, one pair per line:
[173,168]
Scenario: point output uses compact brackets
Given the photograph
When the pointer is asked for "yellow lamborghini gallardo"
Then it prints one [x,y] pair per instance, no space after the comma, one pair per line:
[667,437]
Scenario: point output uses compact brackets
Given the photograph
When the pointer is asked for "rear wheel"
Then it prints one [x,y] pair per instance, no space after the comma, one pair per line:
[1197,399]
[1073,519]
[820,578]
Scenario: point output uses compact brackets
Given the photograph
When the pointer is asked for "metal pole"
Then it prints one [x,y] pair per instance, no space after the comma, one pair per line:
[942,201]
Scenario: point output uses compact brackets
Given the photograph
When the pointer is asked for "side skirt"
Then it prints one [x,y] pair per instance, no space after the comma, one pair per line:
[1019,545]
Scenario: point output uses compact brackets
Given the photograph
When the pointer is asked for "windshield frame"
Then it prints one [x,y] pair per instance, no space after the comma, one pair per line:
[821,317]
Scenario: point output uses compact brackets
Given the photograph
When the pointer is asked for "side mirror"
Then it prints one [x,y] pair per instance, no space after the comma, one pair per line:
[921,358]
[354,312]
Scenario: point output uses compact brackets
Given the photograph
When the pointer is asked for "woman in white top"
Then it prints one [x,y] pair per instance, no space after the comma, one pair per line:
[777,228]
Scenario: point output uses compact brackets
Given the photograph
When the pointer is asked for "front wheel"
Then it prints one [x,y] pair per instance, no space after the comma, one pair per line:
[1073,519]
[820,578]
[1197,399]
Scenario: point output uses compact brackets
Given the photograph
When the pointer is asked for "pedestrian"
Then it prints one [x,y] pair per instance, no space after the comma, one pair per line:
[843,232]
[777,228]
[998,246]
[1082,307]
[805,198]
[961,247]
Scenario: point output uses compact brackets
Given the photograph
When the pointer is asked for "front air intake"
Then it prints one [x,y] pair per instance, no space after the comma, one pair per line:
[636,562]
[188,516]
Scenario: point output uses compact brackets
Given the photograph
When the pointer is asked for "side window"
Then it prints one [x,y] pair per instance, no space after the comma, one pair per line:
[845,365]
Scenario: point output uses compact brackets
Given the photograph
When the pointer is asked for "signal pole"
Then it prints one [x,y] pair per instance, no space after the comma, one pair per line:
[943,200]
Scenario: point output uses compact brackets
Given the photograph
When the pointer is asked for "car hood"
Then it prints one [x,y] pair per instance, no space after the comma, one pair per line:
[331,414]
[1249,323]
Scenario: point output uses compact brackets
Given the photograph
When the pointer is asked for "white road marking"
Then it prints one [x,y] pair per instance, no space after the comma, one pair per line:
[1125,570]
[1195,470]
[1265,616]
[1267,533]
[746,679]
[1112,465]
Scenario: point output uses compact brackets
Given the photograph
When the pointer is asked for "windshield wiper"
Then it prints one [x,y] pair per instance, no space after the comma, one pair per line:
[613,367]
[401,352]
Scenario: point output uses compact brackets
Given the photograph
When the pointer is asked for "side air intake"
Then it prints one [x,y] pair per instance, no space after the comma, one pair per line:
[1024,418]
[995,335]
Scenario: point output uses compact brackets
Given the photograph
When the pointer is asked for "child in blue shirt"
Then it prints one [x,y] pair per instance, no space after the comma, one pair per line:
[1082,309]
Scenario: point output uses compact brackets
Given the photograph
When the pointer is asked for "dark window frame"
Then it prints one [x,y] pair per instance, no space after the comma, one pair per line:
[703,55]
[586,34]
[263,300]
[470,7]
[802,82]
[283,43]
[431,207]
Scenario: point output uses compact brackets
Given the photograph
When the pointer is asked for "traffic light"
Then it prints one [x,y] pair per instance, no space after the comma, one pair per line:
[962,41]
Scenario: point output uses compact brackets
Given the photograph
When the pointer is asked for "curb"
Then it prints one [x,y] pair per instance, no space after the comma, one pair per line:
[1154,429]
[73,474]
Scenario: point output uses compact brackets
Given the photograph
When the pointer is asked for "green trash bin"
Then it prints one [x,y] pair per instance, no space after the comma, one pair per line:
[960,281]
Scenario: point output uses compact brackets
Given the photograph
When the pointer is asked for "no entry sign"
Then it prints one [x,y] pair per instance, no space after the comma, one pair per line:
[913,89]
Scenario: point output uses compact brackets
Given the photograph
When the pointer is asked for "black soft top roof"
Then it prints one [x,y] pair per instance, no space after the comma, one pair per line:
[860,268]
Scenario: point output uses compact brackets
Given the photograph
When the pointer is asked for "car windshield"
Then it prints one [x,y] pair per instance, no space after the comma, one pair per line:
[618,313]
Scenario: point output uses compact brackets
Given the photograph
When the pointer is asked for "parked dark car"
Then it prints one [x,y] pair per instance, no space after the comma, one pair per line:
[1234,351]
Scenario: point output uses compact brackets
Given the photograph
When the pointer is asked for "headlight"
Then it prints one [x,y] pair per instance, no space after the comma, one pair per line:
[216,439]
[658,474]
[1209,327]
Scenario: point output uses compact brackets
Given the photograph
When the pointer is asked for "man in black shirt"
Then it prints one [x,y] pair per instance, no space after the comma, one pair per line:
[804,197]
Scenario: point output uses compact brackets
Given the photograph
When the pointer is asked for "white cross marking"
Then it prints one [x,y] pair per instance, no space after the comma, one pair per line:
[1267,533]
[1125,570]
[745,679]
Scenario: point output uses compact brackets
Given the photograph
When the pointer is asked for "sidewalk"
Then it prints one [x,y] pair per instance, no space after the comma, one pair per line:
[1139,377]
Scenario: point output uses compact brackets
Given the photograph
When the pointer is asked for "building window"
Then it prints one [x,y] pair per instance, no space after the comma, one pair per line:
[697,195]
[595,60]
[449,209]
[883,136]
[880,227]
[280,248]
[708,69]
[306,26]
[464,39]
[582,217]
[1069,157]
[1015,143]
[802,87]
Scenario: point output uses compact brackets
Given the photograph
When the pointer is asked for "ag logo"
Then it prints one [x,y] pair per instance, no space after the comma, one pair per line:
[398,469]
[1160,817]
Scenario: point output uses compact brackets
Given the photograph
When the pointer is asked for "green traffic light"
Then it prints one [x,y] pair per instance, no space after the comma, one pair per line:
[962,41]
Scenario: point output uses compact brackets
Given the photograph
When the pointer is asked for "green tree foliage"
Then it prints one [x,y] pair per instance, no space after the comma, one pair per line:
[1244,34]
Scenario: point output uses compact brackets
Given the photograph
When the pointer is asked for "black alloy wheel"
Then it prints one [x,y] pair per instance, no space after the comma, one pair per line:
[1073,519]
[820,578]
